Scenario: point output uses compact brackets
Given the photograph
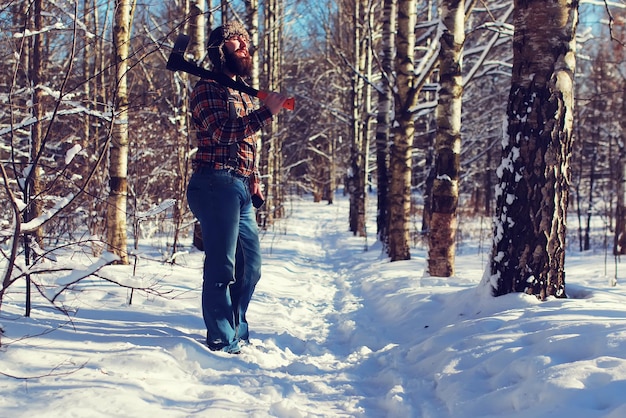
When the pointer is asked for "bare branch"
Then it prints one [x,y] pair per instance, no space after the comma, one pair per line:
[52,373]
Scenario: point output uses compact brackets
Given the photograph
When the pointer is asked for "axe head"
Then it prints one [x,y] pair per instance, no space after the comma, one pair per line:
[181,43]
[177,56]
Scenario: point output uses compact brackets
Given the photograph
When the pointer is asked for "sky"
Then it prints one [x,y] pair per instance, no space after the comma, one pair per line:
[336,331]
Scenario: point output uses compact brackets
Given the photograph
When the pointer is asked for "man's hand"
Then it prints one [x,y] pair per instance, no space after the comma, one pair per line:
[274,101]
[257,190]
[257,195]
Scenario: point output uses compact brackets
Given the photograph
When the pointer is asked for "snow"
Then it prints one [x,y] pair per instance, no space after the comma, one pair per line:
[336,332]
[47,214]
[71,153]
[156,209]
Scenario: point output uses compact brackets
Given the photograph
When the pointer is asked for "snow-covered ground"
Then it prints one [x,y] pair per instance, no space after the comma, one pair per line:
[336,332]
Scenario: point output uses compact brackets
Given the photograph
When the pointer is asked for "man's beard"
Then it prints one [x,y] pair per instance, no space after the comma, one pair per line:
[241,66]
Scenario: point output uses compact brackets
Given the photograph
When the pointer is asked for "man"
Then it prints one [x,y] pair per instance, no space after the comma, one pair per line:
[225,177]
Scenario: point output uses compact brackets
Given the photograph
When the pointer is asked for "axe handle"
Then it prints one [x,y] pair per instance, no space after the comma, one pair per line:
[177,62]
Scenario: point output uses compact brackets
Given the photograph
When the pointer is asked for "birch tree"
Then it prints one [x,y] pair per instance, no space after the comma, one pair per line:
[118,160]
[619,244]
[528,252]
[358,130]
[384,118]
[445,189]
[197,28]
[252,24]
[617,54]
[271,147]
[400,155]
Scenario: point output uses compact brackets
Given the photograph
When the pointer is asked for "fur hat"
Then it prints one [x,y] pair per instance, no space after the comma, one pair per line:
[217,38]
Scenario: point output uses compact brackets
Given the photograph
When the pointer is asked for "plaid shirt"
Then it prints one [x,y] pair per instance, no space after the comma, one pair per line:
[225,118]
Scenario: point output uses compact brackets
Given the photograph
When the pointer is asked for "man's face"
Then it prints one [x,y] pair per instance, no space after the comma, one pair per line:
[238,59]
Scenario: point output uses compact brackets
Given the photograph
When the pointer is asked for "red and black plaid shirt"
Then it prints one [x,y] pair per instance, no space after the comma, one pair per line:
[217,128]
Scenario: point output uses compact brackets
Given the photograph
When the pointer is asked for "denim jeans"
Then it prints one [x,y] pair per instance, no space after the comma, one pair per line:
[221,202]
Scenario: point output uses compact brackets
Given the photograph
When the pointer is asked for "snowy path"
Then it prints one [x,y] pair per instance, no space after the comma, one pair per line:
[309,337]
[312,313]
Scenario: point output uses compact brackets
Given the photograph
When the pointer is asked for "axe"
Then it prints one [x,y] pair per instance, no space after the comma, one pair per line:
[177,62]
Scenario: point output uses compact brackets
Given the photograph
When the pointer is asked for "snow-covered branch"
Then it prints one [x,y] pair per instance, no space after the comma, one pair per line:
[77,109]
[155,210]
[32,225]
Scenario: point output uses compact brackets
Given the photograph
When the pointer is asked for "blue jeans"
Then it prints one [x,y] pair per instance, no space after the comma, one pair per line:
[221,202]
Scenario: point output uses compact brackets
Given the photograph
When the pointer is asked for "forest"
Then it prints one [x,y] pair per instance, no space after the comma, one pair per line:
[411,104]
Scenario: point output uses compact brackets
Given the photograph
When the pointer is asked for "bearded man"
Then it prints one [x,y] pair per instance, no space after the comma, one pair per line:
[225,178]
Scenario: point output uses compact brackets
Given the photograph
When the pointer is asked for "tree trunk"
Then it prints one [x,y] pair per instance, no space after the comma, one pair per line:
[252,23]
[329,195]
[197,31]
[271,158]
[532,196]
[87,71]
[356,175]
[619,246]
[592,175]
[99,101]
[383,122]
[366,111]
[425,142]
[224,11]
[276,62]
[400,156]
[118,160]
[197,28]
[33,183]
[445,191]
